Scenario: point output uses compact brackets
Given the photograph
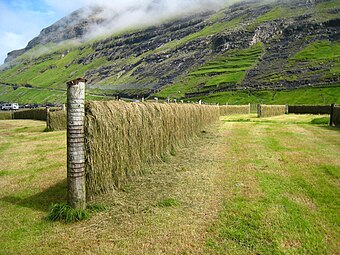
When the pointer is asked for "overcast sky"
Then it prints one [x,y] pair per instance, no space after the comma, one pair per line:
[22,20]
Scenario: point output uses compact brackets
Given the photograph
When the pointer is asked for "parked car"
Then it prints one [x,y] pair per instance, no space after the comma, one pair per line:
[10,107]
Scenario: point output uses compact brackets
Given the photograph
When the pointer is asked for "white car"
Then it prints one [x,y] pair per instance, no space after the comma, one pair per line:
[9,107]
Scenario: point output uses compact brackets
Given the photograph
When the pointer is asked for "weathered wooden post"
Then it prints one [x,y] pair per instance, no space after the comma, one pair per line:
[331,116]
[76,196]
[47,117]
[258,110]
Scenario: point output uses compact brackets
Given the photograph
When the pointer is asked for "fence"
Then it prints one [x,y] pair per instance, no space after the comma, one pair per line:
[234,109]
[309,109]
[271,110]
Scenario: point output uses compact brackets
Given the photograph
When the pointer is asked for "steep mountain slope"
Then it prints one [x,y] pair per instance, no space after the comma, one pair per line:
[249,46]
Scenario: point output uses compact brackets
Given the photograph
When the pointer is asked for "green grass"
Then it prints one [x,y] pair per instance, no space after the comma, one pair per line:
[65,213]
[24,95]
[281,196]
[322,10]
[297,96]
[224,71]
[318,121]
[267,187]
[206,31]
[168,202]
[51,72]
[279,12]
[320,53]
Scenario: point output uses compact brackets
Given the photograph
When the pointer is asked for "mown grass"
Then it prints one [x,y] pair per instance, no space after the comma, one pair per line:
[268,187]
[32,177]
[282,191]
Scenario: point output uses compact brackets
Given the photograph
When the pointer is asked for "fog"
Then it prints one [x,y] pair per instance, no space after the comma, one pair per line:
[119,15]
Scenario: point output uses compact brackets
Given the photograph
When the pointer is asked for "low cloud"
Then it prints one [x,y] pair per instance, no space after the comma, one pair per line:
[120,15]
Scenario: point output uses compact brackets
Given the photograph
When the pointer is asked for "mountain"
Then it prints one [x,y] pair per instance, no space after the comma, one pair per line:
[247,50]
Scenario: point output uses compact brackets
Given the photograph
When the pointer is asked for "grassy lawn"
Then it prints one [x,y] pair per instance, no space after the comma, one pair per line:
[245,186]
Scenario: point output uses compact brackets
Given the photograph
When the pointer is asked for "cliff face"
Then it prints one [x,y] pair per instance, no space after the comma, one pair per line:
[246,46]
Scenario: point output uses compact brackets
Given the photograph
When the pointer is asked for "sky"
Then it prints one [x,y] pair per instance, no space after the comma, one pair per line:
[22,20]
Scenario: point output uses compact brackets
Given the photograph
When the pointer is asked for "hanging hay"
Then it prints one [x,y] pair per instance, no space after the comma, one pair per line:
[234,109]
[6,115]
[271,110]
[31,114]
[336,116]
[121,138]
[57,120]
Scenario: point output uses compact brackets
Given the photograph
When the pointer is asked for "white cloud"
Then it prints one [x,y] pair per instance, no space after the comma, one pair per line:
[135,13]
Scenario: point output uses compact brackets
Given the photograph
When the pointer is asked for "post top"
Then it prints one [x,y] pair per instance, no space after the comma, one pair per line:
[76,81]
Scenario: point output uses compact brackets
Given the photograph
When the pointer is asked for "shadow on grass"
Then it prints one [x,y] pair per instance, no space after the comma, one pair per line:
[43,200]
[331,128]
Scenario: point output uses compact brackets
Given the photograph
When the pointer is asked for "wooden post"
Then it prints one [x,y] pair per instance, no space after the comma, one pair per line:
[258,110]
[76,196]
[331,116]
[47,117]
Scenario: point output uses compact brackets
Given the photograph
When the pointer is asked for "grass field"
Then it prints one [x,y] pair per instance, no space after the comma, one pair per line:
[245,186]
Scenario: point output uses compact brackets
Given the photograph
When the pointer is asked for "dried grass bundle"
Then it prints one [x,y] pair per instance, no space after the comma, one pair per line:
[234,109]
[57,120]
[31,114]
[6,115]
[271,110]
[121,138]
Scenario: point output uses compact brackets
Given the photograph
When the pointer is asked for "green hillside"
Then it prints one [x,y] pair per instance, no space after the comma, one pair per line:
[249,52]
